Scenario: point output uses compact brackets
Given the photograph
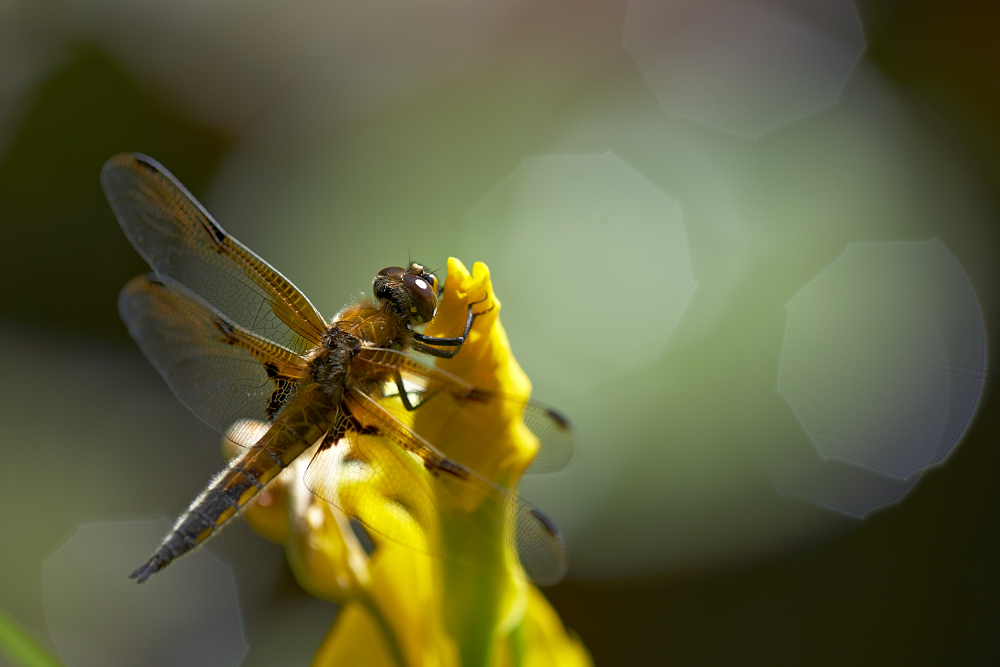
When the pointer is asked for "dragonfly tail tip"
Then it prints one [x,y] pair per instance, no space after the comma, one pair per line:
[146,570]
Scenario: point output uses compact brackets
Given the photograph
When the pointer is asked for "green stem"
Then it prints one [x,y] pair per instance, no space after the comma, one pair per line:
[475,596]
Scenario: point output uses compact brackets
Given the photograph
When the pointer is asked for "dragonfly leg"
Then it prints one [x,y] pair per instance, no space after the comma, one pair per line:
[423,343]
[404,395]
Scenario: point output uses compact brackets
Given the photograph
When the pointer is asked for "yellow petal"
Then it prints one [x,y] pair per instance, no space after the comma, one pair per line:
[323,552]
[354,639]
[485,359]
[488,438]
[389,491]
[545,640]
[396,620]
[268,515]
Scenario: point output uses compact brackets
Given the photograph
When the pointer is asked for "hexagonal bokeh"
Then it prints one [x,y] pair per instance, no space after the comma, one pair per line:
[744,66]
[592,256]
[188,614]
[884,356]
[796,471]
[767,425]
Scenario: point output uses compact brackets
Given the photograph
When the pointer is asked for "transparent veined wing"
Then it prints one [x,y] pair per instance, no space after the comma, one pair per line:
[421,383]
[219,370]
[555,438]
[182,242]
[401,487]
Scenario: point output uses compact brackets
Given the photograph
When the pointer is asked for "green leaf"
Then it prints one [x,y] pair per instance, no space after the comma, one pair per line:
[20,648]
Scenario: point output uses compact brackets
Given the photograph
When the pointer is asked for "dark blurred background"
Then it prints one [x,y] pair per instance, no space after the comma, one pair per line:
[385,126]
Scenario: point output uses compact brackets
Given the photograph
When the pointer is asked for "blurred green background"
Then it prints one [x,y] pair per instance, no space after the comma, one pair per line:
[336,139]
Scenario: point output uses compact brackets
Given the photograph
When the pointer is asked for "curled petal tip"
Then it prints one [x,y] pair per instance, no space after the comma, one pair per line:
[456,267]
[480,271]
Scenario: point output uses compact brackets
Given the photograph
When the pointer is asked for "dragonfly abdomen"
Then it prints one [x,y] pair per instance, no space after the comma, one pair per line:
[300,425]
[226,495]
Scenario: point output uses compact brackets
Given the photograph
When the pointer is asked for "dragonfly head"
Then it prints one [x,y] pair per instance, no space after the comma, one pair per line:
[413,292]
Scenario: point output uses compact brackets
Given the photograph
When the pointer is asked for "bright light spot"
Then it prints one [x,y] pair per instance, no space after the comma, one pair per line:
[314,516]
[576,239]
[744,66]
[188,614]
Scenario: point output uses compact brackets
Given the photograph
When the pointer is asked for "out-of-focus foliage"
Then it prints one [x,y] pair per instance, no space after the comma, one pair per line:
[20,648]
[54,218]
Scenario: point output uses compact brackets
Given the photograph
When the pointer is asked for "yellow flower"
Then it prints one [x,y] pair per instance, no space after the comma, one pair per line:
[402,606]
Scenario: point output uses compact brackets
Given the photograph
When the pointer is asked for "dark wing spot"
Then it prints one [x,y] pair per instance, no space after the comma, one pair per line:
[446,465]
[225,329]
[217,234]
[284,387]
[558,418]
[546,522]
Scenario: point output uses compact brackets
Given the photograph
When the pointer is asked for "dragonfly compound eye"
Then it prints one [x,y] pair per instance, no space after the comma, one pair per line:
[423,288]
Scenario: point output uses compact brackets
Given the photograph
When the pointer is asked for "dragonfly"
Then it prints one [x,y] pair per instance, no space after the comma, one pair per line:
[239,344]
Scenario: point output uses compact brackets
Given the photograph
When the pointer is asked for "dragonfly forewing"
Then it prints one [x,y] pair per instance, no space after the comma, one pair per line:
[181,241]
